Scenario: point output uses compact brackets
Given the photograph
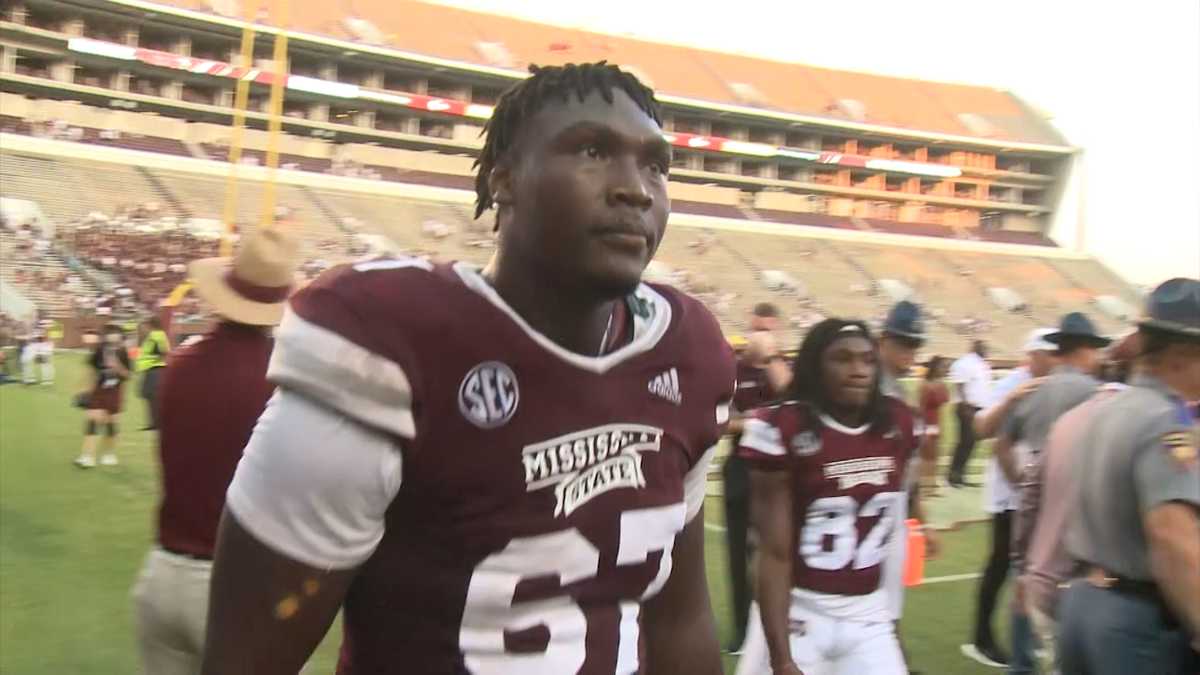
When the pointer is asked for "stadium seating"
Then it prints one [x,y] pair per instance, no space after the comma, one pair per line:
[724,268]
[207,141]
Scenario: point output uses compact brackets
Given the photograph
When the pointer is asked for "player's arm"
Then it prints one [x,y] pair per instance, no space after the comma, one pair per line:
[681,636]
[305,509]
[266,613]
[1169,499]
[770,511]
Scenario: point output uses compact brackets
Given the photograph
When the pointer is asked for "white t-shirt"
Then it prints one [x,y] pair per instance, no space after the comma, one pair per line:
[998,494]
[975,375]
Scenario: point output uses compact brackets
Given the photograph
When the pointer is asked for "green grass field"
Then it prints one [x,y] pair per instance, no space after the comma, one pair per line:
[72,542]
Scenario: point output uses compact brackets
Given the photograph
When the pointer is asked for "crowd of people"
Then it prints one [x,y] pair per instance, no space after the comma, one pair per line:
[143,248]
[503,469]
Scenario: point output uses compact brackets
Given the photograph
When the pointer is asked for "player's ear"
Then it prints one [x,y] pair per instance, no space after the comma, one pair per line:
[500,183]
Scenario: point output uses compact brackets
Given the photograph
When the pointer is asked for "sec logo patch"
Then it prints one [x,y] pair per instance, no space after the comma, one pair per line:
[488,395]
[806,443]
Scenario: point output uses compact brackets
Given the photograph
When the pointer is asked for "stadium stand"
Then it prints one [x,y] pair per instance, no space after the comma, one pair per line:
[828,192]
[729,268]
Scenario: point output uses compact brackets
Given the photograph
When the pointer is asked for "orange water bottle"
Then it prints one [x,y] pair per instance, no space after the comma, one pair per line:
[914,561]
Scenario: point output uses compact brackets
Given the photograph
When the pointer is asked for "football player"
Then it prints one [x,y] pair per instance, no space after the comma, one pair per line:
[827,472]
[497,470]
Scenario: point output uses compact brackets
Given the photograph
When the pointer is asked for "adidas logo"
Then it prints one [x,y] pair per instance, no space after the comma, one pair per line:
[666,386]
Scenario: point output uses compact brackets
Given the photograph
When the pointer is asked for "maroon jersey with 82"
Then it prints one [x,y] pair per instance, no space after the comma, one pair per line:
[846,485]
[542,490]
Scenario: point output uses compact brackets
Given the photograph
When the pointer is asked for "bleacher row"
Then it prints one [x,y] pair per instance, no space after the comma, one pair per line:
[724,268]
[162,135]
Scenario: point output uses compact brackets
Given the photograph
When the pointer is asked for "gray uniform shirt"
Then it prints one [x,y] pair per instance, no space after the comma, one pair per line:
[1140,454]
[1033,417]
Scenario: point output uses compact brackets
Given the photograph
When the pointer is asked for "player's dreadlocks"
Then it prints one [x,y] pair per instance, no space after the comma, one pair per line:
[524,99]
[808,385]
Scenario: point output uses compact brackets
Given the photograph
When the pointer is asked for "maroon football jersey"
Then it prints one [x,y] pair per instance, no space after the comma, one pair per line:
[753,388]
[846,485]
[542,490]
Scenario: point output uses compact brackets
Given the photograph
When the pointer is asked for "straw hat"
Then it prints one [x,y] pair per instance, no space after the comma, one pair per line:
[253,286]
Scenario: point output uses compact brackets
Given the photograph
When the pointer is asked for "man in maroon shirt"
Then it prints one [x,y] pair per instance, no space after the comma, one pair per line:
[211,395]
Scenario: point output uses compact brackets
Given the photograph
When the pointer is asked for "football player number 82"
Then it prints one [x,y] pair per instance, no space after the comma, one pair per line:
[830,536]
[490,612]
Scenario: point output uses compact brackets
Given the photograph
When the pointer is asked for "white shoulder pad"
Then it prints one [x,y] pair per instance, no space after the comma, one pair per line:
[328,368]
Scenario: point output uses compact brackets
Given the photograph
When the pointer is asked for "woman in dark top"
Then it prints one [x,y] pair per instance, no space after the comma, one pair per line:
[110,368]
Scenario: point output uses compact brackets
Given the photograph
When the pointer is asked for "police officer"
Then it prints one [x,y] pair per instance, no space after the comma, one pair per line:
[1073,381]
[903,334]
[1134,605]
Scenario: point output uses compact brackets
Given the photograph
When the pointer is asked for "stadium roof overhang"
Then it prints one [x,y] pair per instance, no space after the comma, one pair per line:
[349,48]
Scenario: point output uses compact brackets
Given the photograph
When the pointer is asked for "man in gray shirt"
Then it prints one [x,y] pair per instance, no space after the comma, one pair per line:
[1080,352]
[1135,530]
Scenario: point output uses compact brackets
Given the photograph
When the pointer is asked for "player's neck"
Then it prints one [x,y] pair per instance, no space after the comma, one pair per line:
[577,324]
[848,417]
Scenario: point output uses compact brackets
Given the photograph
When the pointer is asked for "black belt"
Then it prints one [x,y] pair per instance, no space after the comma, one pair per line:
[189,556]
[1145,590]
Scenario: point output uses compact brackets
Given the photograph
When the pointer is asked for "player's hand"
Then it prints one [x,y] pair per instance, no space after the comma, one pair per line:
[788,668]
[1026,388]
[933,543]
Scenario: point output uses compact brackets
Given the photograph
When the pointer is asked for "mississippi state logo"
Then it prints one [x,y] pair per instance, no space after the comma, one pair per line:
[806,443]
[488,395]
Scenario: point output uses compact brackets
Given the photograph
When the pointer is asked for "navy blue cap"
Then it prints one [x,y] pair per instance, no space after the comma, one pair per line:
[1077,325]
[1174,307]
[905,321]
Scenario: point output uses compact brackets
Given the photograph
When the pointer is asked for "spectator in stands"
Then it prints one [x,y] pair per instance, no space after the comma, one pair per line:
[932,397]
[212,393]
[110,366]
[152,358]
[972,377]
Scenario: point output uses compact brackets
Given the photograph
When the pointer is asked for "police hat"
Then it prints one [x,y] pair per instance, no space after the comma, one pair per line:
[904,321]
[1076,325]
[1174,307]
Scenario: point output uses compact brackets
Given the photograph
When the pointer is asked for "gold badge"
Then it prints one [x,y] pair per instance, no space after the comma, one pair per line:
[1182,447]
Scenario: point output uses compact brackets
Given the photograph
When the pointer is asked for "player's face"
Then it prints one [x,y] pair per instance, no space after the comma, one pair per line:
[589,192]
[849,368]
